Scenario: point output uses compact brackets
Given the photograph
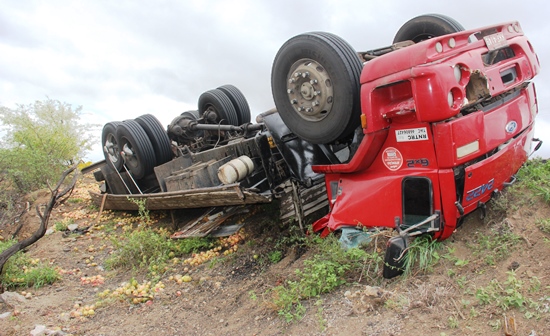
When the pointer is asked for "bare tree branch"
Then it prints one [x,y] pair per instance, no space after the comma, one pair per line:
[17,218]
[67,192]
[44,218]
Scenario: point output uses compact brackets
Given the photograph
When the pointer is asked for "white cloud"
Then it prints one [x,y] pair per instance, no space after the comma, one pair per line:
[122,59]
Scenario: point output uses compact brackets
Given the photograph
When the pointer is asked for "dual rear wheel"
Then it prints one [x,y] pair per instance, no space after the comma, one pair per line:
[227,104]
[141,144]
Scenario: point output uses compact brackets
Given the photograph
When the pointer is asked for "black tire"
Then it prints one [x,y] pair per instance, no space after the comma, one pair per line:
[194,114]
[158,137]
[424,27]
[321,64]
[140,155]
[216,101]
[109,143]
[98,175]
[239,102]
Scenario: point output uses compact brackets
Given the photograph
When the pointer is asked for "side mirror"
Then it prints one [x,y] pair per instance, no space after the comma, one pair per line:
[394,261]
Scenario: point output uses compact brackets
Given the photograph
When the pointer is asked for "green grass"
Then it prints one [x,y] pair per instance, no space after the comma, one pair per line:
[143,212]
[63,224]
[535,175]
[533,182]
[517,294]
[328,269]
[422,254]
[503,295]
[275,256]
[495,245]
[295,237]
[452,322]
[543,225]
[22,271]
[147,248]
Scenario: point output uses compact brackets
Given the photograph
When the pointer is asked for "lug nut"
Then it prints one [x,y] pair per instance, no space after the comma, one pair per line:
[290,91]
[297,74]
[313,82]
[315,103]
[309,109]
[294,102]
[305,74]
[292,80]
[317,93]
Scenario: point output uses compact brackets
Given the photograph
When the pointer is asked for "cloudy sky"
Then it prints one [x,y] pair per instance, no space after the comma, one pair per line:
[121,59]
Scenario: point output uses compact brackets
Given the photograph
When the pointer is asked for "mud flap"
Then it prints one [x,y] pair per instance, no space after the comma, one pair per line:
[394,261]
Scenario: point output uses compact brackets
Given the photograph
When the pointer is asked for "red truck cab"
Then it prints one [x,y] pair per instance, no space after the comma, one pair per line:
[447,122]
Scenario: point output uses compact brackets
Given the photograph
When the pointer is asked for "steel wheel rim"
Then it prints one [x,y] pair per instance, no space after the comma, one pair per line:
[310,90]
[130,158]
[111,148]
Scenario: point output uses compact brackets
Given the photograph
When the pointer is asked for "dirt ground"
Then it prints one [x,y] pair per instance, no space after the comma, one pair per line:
[231,297]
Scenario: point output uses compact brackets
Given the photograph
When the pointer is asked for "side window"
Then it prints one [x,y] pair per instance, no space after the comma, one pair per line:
[417,200]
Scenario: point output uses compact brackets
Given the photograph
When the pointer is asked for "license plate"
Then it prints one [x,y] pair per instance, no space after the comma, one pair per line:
[495,41]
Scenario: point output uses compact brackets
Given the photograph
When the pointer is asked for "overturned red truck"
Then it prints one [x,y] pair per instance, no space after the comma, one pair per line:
[411,137]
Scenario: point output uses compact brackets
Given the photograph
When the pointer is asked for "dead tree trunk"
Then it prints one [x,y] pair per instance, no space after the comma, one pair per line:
[57,196]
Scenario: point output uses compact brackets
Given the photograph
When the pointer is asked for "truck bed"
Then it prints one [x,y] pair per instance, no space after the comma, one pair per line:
[226,195]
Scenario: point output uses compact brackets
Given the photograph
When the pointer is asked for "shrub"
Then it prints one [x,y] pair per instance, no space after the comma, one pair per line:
[151,249]
[322,273]
[40,141]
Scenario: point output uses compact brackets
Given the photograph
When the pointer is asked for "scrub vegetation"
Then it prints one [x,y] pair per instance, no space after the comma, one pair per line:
[491,276]
[40,141]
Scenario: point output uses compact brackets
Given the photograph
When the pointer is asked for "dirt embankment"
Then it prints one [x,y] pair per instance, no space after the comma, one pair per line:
[491,276]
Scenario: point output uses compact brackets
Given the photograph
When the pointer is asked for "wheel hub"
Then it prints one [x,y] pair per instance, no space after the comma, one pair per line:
[129,156]
[307,91]
[111,148]
[310,90]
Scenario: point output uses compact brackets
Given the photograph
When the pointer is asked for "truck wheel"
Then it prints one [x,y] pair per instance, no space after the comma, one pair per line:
[138,152]
[425,27]
[315,85]
[216,101]
[111,149]
[98,175]
[158,137]
[192,114]
[239,102]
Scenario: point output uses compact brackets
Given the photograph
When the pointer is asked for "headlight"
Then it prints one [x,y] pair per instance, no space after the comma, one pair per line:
[458,73]
[450,99]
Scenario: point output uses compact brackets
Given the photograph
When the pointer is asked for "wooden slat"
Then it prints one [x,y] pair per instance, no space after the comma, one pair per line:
[182,200]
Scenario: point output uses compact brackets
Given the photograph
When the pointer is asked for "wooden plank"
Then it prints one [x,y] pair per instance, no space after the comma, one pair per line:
[312,199]
[206,223]
[182,200]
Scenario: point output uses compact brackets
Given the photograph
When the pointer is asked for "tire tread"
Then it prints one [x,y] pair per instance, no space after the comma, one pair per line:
[142,146]
[158,137]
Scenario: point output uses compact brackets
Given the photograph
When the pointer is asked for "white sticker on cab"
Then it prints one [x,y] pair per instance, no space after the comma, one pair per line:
[411,134]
